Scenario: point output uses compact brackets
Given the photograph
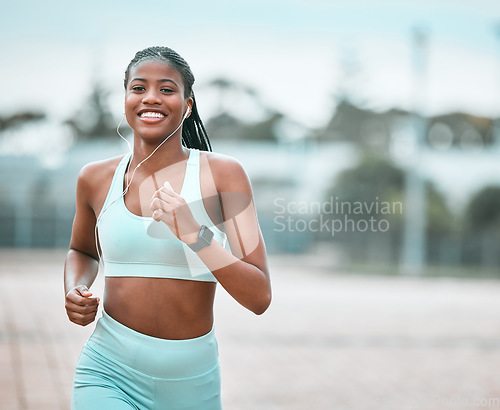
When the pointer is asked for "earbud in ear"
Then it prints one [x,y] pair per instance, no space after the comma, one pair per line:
[187,112]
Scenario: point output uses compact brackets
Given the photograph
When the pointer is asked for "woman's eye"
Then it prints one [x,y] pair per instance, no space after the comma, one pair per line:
[167,90]
[138,88]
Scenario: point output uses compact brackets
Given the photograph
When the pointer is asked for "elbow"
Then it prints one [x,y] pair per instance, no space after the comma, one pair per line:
[260,311]
[263,305]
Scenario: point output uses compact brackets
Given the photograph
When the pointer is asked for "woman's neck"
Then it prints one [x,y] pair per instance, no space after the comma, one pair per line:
[170,152]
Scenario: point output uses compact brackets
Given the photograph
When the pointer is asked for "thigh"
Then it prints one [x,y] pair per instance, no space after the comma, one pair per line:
[103,384]
[100,398]
[200,392]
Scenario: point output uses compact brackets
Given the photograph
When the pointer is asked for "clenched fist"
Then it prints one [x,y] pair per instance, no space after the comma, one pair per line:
[81,308]
[172,209]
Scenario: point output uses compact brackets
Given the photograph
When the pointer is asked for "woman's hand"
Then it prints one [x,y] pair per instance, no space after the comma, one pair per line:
[172,209]
[81,308]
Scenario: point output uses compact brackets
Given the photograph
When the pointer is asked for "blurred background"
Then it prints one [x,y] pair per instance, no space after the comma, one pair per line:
[370,131]
[324,103]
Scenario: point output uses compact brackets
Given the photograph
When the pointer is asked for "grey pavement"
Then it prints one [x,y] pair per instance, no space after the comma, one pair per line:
[328,341]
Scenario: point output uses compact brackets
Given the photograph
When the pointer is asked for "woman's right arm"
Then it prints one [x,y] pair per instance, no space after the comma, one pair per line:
[82,261]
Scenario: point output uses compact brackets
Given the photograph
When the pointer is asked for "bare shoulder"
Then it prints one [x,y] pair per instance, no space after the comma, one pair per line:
[228,173]
[97,171]
[95,179]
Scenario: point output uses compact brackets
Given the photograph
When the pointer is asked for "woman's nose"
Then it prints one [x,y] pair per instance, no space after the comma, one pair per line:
[151,97]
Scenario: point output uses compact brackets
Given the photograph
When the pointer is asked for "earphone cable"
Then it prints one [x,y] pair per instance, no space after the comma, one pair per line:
[131,152]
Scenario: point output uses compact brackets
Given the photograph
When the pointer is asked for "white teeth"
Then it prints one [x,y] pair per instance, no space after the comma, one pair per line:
[150,114]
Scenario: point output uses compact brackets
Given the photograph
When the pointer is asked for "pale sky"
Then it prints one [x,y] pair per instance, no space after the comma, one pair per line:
[291,52]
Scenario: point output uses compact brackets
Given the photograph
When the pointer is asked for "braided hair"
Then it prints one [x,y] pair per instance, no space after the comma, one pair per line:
[194,134]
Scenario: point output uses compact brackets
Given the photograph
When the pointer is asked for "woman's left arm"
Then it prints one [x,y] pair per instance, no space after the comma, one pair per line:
[244,272]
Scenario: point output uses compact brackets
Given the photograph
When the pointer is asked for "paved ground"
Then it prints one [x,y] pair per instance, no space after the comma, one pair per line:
[329,341]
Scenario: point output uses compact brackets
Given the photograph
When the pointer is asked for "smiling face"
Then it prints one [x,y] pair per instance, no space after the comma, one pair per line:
[154,100]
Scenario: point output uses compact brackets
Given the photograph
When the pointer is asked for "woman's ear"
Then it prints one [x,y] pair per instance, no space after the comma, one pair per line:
[189,109]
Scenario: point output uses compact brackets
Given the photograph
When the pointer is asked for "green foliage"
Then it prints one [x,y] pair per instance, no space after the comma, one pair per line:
[373,178]
[483,211]
[226,127]
[262,131]
[481,234]
[440,221]
[379,182]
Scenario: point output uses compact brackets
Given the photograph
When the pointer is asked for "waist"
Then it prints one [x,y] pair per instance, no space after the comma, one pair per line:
[164,308]
[156,357]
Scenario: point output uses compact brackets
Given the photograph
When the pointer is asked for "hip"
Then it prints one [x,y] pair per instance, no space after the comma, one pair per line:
[152,356]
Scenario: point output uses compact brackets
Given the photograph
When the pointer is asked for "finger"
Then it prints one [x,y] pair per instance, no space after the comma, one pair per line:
[83,290]
[73,309]
[166,189]
[157,214]
[91,301]
[75,298]
[166,195]
[167,185]
[165,205]
[157,204]
[81,315]
[84,310]
[81,319]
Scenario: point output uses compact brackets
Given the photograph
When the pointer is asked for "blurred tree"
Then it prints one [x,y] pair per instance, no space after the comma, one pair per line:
[225,87]
[483,211]
[226,127]
[374,191]
[368,130]
[94,119]
[264,130]
[19,119]
[481,234]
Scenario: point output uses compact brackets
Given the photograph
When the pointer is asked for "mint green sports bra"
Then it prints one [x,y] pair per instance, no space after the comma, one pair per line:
[133,245]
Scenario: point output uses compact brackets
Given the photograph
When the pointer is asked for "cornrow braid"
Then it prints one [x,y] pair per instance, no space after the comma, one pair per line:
[194,134]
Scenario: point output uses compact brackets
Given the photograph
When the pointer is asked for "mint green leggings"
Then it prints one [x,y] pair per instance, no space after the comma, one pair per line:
[120,368]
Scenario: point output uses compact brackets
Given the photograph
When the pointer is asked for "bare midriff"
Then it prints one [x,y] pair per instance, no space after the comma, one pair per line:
[160,307]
